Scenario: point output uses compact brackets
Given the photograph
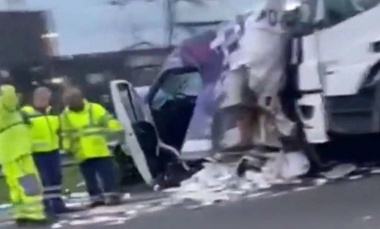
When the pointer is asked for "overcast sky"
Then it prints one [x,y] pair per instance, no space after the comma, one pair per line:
[93,26]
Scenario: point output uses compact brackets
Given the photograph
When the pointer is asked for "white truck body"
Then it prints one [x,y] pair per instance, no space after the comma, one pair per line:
[338,65]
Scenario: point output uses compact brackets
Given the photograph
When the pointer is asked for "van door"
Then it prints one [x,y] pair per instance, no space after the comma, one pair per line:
[140,134]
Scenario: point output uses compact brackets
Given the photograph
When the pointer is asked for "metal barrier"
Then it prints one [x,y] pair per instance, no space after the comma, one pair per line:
[68,161]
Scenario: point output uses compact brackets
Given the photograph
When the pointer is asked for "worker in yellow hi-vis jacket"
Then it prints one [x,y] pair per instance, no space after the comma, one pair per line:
[17,163]
[85,127]
[43,127]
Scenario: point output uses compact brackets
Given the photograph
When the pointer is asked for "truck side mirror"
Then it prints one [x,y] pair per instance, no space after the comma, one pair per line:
[300,20]
[291,18]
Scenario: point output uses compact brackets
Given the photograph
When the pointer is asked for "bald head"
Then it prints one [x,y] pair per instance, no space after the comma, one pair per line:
[72,92]
[5,77]
[4,74]
[41,97]
[40,91]
[73,98]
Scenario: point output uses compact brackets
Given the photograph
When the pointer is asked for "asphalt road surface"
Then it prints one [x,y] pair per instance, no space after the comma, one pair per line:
[346,205]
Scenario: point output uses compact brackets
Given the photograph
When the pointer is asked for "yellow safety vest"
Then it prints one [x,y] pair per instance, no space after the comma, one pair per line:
[85,132]
[43,129]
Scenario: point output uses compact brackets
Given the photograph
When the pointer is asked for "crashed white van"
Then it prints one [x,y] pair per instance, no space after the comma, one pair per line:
[335,62]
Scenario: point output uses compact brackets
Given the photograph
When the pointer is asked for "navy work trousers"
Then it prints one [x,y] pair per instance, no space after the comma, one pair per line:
[100,177]
[49,168]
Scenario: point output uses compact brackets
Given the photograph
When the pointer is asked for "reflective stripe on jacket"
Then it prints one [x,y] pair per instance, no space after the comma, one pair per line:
[43,129]
[85,133]
[14,136]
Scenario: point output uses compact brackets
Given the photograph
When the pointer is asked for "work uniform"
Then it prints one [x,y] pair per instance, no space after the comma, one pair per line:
[85,135]
[44,128]
[16,160]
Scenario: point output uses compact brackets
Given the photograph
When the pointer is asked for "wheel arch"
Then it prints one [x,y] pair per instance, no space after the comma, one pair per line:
[370,76]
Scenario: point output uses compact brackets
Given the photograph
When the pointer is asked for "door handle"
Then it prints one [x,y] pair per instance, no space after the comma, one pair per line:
[328,66]
[375,46]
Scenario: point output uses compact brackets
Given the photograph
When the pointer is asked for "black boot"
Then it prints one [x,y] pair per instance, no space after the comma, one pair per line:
[113,200]
[96,203]
[32,223]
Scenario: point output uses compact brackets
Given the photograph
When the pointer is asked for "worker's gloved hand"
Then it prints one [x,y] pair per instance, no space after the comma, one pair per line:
[25,118]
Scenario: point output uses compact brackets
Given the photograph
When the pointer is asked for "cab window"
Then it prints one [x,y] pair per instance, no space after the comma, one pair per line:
[131,103]
[338,11]
[177,85]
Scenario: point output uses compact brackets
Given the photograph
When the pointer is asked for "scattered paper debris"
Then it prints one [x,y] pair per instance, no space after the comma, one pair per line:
[366,218]
[131,212]
[375,171]
[126,196]
[258,178]
[96,220]
[56,225]
[218,182]
[118,222]
[355,177]
[295,181]
[257,194]
[277,194]
[299,189]
[140,206]
[339,171]
[286,166]
[320,181]
[155,209]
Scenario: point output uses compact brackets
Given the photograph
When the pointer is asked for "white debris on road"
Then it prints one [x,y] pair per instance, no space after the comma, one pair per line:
[320,182]
[82,197]
[340,171]
[286,167]
[218,182]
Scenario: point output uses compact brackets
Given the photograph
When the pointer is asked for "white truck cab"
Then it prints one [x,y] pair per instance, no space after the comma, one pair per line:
[338,67]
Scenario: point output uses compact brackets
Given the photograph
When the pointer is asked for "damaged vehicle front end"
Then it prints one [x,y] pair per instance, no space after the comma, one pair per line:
[180,115]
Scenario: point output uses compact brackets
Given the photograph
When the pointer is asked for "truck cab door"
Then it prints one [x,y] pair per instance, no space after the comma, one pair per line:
[141,139]
[346,44]
[310,105]
[304,60]
[348,47]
